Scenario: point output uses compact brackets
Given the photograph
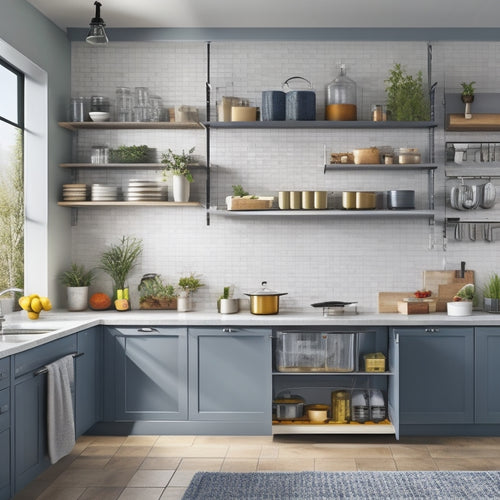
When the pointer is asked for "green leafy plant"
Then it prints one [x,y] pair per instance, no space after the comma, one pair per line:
[226,294]
[238,191]
[492,288]
[466,293]
[120,259]
[155,288]
[406,98]
[468,88]
[177,164]
[129,154]
[190,283]
[77,276]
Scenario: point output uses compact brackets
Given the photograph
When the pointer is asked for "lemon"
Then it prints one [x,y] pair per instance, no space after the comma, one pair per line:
[25,302]
[46,304]
[34,296]
[33,315]
[36,305]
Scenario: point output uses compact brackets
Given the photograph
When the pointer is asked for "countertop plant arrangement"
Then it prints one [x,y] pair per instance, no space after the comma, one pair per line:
[118,261]
[157,294]
[77,276]
[491,294]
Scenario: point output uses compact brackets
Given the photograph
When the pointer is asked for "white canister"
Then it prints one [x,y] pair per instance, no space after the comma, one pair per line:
[462,308]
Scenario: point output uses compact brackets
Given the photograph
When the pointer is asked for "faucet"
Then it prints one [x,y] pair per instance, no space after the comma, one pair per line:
[3,292]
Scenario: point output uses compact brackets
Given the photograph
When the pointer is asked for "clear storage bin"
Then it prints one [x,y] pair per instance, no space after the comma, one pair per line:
[316,352]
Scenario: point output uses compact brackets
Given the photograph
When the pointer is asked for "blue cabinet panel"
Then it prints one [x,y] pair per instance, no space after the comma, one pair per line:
[5,464]
[436,375]
[88,380]
[230,374]
[4,409]
[488,375]
[4,373]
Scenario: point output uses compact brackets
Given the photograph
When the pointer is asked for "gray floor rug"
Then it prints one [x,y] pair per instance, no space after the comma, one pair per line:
[442,485]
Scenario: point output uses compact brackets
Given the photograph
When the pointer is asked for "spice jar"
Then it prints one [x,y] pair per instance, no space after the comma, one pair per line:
[341,98]
[341,407]
[409,156]
[378,113]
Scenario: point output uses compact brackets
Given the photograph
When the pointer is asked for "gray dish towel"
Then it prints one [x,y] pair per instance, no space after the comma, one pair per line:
[60,419]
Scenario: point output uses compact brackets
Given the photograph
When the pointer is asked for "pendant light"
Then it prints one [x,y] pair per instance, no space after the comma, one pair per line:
[97,35]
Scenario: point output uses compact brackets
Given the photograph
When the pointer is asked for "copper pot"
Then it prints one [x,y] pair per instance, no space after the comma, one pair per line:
[264,300]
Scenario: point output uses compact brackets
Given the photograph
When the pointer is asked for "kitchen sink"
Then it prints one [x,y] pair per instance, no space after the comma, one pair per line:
[19,335]
[24,331]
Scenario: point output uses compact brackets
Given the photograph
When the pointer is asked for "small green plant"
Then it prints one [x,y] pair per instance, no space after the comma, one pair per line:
[238,191]
[155,288]
[468,88]
[120,259]
[177,164]
[189,283]
[77,276]
[226,294]
[492,288]
[406,98]
[129,154]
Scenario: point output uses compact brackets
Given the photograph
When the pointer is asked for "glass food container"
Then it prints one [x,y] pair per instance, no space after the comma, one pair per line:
[341,98]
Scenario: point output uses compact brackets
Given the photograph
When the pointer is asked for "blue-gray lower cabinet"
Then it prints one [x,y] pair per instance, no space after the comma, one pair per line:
[436,375]
[146,374]
[88,380]
[230,376]
[488,375]
[5,429]
[30,408]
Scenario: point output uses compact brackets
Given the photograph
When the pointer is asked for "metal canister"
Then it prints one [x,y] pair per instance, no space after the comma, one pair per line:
[341,406]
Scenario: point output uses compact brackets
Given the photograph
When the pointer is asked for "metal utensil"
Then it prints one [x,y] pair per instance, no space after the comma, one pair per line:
[488,195]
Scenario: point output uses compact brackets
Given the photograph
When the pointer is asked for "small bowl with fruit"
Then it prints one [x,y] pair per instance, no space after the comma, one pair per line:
[462,302]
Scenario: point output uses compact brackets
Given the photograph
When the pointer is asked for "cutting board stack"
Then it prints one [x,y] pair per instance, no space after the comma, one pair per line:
[443,285]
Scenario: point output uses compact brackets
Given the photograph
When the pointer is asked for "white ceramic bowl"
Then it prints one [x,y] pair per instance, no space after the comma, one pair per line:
[99,116]
[463,308]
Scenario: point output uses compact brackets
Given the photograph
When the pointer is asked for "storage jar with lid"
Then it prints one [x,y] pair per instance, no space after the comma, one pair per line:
[341,98]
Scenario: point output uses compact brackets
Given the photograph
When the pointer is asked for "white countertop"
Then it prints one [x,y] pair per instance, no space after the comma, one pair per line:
[63,323]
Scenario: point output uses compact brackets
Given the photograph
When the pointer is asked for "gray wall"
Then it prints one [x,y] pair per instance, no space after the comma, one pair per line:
[41,41]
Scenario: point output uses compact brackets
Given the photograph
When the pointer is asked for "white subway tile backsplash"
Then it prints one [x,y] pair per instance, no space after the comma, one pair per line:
[313,259]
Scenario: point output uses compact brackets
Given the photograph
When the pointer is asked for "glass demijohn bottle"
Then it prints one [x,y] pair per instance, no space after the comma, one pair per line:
[341,98]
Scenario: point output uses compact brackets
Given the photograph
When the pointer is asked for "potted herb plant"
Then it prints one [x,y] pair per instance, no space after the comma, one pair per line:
[491,295]
[187,286]
[226,304]
[129,154]
[77,281]
[178,166]
[156,294]
[406,97]
[462,301]
[117,261]
[467,97]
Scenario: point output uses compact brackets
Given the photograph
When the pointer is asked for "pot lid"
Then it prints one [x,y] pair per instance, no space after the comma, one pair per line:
[265,291]
[332,303]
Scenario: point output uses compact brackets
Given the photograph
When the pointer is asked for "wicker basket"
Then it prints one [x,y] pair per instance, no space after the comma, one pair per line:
[367,156]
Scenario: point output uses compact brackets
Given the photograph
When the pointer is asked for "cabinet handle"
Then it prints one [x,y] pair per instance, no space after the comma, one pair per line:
[228,330]
[148,330]
[4,409]
[3,375]
[431,330]
[44,369]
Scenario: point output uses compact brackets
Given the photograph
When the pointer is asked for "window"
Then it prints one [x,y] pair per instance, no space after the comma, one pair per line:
[11,177]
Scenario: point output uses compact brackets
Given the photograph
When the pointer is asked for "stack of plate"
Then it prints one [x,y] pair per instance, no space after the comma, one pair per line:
[139,190]
[101,192]
[74,192]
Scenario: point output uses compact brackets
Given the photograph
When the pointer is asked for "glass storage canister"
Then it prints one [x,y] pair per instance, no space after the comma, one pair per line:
[99,103]
[341,98]
[123,104]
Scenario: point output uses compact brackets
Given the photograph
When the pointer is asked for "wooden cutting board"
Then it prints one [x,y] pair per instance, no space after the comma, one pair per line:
[388,301]
[445,284]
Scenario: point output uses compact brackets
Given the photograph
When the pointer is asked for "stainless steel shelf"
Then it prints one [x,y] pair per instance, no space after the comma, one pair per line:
[335,374]
[84,204]
[390,214]
[318,124]
[342,167]
[333,429]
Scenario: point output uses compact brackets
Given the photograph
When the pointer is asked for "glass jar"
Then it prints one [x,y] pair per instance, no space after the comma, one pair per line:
[123,104]
[99,103]
[341,406]
[341,98]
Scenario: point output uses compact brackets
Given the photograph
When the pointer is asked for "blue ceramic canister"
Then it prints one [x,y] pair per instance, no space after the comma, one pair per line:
[273,105]
[300,104]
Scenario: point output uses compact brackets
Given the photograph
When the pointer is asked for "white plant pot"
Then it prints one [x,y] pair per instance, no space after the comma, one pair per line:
[78,297]
[181,188]
[184,304]
[463,308]
[229,306]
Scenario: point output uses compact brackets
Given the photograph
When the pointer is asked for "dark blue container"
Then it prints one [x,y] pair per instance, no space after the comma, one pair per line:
[273,105]
[300,104]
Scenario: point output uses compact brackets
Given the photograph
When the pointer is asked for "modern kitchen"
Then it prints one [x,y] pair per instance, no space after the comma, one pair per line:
[283,271]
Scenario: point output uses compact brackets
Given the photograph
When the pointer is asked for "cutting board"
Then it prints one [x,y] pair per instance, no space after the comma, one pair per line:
[388,301]
[445,284]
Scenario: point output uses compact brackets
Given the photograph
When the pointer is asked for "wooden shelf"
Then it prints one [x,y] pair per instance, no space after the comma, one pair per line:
[318,124]
[333,429]
[480,122]
[82,204]
[130,125]
[145,166]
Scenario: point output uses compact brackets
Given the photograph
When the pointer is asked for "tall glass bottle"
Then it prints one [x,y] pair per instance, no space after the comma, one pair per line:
[341,98]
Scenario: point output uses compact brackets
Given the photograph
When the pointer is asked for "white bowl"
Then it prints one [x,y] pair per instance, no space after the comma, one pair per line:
[463,308]
[99,116]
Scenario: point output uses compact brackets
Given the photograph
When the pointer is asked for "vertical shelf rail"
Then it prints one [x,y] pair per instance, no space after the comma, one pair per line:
[208,88]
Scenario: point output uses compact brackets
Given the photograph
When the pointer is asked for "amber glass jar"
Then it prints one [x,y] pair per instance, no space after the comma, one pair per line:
[341,98]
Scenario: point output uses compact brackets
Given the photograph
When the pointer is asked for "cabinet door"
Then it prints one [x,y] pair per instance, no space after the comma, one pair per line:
[150,379]
[30,424]
[487,375]
[5,464]
[230,374]
[436,375]
[88,380]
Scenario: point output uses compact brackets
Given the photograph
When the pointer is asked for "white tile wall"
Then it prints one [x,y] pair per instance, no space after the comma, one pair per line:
[311,259]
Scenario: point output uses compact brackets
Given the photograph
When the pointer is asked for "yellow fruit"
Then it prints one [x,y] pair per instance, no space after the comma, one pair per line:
[34,296]
[46,304]
[33,315]
[121,305]
[36,305]
[25,302]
